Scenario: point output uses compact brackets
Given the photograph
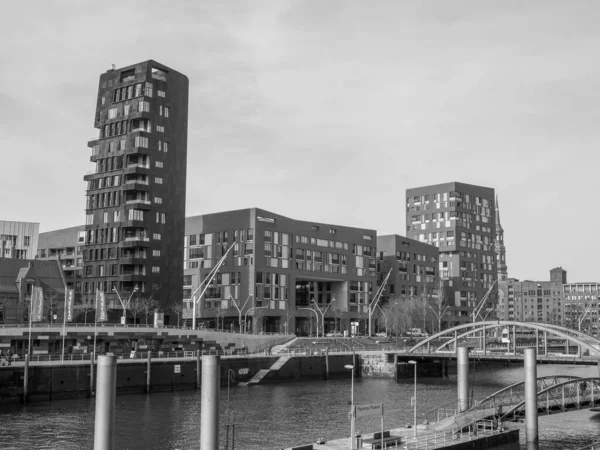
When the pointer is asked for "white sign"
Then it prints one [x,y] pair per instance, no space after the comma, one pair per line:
[373,409]
[177,368]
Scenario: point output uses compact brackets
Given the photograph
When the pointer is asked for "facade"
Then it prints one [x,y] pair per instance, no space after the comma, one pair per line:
[135,211]
[531,301]
[17,277]
[66,246]
[500,248]
[582,303]
[278,270]
[414,266]
[18,239]
[459,219]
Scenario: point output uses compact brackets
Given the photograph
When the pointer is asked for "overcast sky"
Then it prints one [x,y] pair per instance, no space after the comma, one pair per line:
[327,110]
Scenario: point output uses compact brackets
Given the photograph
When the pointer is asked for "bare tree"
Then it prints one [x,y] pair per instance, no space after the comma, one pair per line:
[289,314]
[438,304]
[337,314]
[135,306]
[220,316]
[148,304]
[177,308]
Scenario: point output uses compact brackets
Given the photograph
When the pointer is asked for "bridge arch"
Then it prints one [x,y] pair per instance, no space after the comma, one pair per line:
[572,336]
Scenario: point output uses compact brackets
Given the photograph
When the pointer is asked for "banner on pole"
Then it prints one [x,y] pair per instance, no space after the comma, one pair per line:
[69,305]
[37,307]
[100,307]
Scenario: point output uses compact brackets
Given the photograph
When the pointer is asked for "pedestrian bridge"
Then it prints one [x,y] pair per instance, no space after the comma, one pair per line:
[556,394]
[476,334]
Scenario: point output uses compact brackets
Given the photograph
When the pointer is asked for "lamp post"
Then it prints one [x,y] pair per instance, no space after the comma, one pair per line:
[125,305]
[414,363]
[317,316]
[352,409]
[322,316]
[246,316]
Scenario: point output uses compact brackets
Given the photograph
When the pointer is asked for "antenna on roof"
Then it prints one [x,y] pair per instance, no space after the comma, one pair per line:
[113,66]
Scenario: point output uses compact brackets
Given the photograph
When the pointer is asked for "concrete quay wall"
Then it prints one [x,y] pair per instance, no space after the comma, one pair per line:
[54,382]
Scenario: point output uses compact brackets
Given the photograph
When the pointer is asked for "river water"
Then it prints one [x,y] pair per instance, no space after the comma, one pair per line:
[274,416]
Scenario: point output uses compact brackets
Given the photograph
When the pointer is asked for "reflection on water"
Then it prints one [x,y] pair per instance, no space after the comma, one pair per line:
[272,417]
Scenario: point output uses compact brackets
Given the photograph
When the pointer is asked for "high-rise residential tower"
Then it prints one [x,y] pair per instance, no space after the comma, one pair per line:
[135,211]
[459,219]
[500,247]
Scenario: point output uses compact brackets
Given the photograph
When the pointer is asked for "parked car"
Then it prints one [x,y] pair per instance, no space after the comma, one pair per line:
[381,334]
[334,334]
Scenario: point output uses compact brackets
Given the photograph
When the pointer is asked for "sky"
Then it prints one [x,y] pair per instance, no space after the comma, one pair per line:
[327,111]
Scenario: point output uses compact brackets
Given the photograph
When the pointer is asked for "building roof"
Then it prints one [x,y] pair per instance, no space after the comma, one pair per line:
[46,273]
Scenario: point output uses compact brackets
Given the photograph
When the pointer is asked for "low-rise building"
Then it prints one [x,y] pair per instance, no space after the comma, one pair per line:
[582,305]
[18,239]
[278,270]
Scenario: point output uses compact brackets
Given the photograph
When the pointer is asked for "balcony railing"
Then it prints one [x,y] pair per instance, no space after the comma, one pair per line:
[141,166]
[132,202]
[137,238]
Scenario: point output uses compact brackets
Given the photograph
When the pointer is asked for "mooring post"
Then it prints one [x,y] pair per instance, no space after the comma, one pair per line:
[462,363]
[26,378]
[531,406]
[106,386]
[455,341]
[484,340]
[326,362]
[149,372]
[209,400]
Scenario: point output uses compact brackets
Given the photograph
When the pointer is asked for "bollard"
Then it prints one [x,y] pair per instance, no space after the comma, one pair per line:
[106,386]
[462,364]
[531,407]
[149,373]
[209,399]
[26,378]
[198,372]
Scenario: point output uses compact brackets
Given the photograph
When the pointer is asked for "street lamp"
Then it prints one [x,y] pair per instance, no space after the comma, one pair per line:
[125,305]
[352,409]
[414,363]
[322,316]
[316,315]
[246,316]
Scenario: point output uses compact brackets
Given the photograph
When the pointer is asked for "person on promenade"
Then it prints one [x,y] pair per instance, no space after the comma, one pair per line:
[9,357]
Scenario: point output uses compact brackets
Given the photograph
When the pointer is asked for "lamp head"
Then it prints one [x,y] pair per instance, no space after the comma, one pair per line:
[349,366]
[412,362]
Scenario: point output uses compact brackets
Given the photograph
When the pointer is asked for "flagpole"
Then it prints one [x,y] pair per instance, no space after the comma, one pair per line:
[62,357]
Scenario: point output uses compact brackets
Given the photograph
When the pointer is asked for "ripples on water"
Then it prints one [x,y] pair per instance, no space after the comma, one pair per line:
[272,417]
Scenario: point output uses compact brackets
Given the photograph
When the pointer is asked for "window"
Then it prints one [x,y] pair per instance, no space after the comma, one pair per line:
[155,269]
[141,141]
[155,252]
[144,107]
[165,147]
[158,200]
[161,217]
[160,93]
[160,128]
[158,164]
[112,113]
[116,216]
[89,219]
[167,109]
[105,217]
[156,236]
[158,180]
[126,109]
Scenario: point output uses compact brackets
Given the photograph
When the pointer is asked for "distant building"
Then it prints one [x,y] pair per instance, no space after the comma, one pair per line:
[17,276]
[18,240]
[582,306]
[532,301]
[66,246]
[558,274]
[500,248]
[459,219]
[135,211]
[278,268]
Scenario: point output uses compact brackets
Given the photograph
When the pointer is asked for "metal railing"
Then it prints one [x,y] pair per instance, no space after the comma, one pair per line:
[442,439]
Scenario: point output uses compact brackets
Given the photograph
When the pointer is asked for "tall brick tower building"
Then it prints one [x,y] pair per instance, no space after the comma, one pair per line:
[135,207]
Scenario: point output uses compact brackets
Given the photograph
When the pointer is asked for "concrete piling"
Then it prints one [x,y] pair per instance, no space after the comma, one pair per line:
[209,409]
[91,375]
[106,386]
[531,407]
[198,372]
[462,364]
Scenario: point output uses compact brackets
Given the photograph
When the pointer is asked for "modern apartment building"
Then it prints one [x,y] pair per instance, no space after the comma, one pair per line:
[66,246]
[414,266]
[459,219]
[18,239]
[135,210]
[282,274]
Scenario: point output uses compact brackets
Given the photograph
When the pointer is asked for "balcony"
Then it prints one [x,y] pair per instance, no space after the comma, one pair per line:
[136,168]
[136,185]
[140,204]
[136,241]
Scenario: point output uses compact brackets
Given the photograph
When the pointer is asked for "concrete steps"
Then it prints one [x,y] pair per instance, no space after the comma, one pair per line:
[280,363]
[258,376]
[278,348]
